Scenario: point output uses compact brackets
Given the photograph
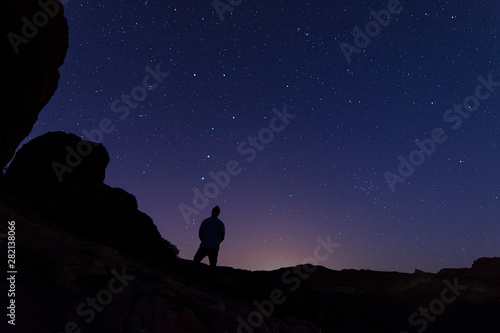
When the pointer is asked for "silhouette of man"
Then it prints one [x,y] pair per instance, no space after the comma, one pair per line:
[211,234]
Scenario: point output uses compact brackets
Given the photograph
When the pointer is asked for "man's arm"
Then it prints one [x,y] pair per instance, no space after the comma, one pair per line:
[201,231]
[222,233]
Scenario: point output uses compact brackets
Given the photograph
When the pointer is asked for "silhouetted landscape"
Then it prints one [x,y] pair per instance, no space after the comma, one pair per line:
[88,260]
[72,243]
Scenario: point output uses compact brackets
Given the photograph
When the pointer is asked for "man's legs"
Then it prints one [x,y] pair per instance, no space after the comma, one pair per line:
[198,257]
[212,257]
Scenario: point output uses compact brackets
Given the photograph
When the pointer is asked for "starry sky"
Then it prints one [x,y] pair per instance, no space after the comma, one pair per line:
[356,107]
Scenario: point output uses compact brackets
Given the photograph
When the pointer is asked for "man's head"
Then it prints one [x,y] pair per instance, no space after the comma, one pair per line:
[215,211]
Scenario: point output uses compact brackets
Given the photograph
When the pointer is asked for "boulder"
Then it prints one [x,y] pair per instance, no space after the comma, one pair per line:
[55,161]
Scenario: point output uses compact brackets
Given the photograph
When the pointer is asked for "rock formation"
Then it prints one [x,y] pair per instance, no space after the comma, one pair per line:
[56,161]
[63,177]
[35,47]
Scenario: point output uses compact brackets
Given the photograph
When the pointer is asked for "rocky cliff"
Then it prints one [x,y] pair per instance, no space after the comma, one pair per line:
[33,47]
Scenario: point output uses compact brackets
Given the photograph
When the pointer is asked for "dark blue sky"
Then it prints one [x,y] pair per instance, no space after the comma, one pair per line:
[322,173]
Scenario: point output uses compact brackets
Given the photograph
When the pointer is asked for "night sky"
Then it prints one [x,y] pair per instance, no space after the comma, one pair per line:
[327,167]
